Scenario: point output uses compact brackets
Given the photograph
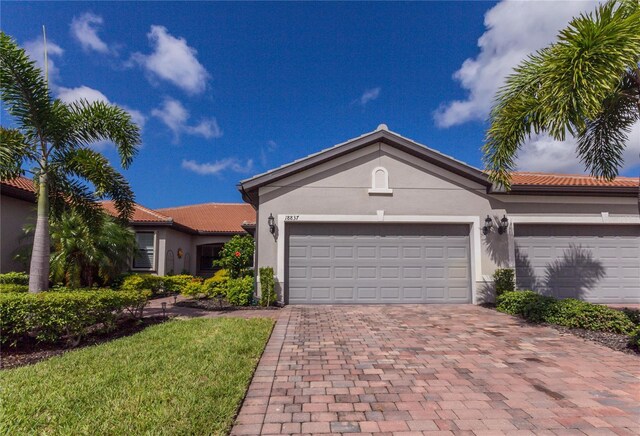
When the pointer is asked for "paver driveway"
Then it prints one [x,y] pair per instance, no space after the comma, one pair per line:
[417,369]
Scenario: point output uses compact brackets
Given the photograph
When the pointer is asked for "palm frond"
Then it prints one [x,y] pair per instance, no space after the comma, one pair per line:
[13,152]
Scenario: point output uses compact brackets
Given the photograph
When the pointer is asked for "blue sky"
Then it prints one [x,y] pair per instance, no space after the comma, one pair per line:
[227,90]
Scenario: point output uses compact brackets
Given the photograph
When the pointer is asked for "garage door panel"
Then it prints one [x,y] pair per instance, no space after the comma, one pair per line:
[595,263]
[378,263]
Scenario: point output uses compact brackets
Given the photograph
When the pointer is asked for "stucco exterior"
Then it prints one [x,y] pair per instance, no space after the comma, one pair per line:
[14,214]
[338,190]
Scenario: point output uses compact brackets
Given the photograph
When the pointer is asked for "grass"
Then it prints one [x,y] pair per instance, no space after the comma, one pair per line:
[180,377]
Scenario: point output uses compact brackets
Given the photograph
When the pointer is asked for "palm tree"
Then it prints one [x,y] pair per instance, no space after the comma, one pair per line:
[84,253]
[586,84]
[54,138]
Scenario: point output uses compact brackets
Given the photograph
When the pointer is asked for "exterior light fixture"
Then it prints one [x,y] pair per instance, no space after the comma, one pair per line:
[272,223]
[175,299]
[488,223]
[504,224]
[164,309]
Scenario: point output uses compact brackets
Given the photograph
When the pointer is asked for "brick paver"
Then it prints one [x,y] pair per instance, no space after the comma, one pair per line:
[435,369]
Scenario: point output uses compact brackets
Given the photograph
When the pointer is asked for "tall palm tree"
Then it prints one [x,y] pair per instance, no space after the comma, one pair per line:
[586,84]
[54,138]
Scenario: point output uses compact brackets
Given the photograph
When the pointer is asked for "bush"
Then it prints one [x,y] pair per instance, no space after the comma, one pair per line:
[192,289]
[633,315]
[215,286]
[634,339]
[140,282]
[267,287]
[175,284]
[569,312]
[50,316]
[504,280]
[12,287]
[236,256]
[239,292]
[14,278]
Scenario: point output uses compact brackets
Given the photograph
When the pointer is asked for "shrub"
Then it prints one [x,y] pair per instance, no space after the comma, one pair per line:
[633,315]
[504,280]
[215,286]
[568,312]
[634,339]
[140,282]
[14,278]
[236,256]
[175,284]
[267,287]
[50,316]
[12,287]
[239,292]
[192,289]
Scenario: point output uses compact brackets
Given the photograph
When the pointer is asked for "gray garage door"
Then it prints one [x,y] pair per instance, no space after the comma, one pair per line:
[378,263]
[594,263]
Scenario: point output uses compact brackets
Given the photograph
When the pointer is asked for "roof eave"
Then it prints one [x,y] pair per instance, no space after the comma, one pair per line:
[610,191]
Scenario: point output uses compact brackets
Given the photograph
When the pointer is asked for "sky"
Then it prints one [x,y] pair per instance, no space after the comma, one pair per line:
[223,91]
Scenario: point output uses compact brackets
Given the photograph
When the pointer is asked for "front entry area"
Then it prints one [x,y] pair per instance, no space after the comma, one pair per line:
[360,263]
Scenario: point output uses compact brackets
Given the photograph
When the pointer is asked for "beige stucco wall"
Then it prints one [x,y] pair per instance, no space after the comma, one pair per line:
[340,187]
[14,214]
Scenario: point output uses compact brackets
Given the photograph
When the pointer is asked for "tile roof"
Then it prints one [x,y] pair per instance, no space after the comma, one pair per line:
[549,179]
[141,214]
[212,217]
[20,183]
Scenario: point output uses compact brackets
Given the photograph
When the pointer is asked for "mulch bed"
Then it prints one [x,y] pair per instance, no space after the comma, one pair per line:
[615,341]
[31,352]
[219,306]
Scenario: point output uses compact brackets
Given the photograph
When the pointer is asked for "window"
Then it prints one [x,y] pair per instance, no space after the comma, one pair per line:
[380,182]
[145,256]
[208,253]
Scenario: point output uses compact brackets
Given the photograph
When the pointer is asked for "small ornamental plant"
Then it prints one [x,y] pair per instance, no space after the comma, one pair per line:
[236,256]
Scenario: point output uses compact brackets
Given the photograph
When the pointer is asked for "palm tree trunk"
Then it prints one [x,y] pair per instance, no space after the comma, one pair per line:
[39,270]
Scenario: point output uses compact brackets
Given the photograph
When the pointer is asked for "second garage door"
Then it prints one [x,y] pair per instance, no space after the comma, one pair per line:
[377,263]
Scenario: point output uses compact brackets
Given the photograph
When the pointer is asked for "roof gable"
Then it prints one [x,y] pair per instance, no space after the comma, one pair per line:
[381,135]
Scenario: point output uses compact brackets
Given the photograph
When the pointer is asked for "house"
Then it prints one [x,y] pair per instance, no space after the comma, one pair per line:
[383,219]
[174,240]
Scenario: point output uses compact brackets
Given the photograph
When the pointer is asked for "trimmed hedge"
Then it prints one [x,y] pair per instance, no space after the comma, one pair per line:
[215,286]
[239,292]
[14,278]
[159,286]
[51,316]
[568,312]
[11,287]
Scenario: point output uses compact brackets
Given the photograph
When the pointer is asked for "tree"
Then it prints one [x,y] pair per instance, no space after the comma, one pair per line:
[236,256]
[87,252]
[54,138]
[586,84]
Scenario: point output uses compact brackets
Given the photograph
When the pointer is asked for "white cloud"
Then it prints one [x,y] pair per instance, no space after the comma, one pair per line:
[175,116]
[367,96]
[85,29]
[173,60]
[69,95]
[547,155]
[217,167]
[35,51]
[269,148]
[514,29]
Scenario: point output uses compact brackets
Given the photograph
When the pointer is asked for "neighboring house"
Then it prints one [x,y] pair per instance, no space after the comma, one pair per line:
[170,241]
[383,219]
[17,208]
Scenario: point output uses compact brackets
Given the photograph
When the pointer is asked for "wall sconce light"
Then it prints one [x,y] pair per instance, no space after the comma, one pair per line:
[272,223]
[180,253]
[504,224]
[488,223]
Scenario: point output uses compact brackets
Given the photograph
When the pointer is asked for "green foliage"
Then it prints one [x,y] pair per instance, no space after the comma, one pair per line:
[192,289]
[236,256]
[215,286]
[634,339]
[12,287]
[267,287]
[52,141]
[179,377]
[586,84]
[504,280]
[139,282]
[633,315]
[14,278]
[50,316]
[175,284]
[239,292]
[568,312]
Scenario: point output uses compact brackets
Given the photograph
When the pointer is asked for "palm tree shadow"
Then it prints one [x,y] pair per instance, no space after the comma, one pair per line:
[571,276]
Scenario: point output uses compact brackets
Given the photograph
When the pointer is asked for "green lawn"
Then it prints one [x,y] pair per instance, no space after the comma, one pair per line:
[180,377]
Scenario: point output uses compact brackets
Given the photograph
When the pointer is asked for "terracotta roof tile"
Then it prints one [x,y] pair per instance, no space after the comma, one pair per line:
[141,214]
[21,183]
[550,179]
[212,217]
